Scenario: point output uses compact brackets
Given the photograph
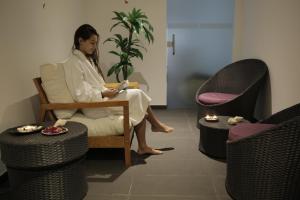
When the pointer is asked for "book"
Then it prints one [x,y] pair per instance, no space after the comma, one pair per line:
[123,85]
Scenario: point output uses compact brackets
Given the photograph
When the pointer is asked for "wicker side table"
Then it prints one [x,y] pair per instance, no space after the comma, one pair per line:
[46,167]
[213,136]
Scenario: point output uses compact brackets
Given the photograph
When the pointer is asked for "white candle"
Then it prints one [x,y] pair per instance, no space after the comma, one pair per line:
[211,117]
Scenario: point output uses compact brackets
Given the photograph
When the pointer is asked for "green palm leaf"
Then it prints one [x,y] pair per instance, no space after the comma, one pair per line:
[115,53]
[136,24]
[112,69]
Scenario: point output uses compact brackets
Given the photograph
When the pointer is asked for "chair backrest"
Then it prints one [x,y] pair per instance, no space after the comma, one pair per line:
[38,84]
[283,115]
[240,75]
[56,89]
[43,97]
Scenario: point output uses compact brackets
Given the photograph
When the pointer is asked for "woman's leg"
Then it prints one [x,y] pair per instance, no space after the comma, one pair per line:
[156,125]
[143,148]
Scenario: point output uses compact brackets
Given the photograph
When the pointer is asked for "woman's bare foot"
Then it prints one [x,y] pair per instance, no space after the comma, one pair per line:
[162,128]
[149,150]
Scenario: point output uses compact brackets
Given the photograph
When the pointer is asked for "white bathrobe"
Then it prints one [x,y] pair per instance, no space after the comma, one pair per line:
[86,84]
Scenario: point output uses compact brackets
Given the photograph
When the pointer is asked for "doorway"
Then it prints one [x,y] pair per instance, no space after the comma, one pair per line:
[200,43]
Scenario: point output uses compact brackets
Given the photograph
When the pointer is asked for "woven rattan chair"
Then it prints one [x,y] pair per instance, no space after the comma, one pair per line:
[118,141]
[243,78]
[267,165]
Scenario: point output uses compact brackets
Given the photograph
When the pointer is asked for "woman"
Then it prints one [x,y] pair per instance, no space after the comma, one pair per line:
[86,84]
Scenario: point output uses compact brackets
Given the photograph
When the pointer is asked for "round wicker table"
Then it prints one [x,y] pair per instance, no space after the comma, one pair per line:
[46,167]
[213,136]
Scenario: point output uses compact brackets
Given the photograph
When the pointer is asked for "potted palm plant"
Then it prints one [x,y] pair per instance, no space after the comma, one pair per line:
[136,27]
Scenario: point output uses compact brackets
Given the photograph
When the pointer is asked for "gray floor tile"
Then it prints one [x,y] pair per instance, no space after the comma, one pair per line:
[94,167]
[172,197]
[106,197]
[171,113]
[224,197]
[181,173]
[171,168]
[219,185]
[172,185]
[109,184]
[215,167]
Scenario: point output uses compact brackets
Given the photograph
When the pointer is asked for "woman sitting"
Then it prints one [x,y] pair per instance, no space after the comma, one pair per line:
[86,84]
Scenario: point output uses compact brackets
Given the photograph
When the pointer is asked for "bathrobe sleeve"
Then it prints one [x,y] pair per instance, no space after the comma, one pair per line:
[80,88]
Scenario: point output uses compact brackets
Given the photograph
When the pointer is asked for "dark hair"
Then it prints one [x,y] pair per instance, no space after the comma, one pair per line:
[86,31]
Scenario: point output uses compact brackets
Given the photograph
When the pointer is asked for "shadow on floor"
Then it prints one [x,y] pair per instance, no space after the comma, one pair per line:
[106,165]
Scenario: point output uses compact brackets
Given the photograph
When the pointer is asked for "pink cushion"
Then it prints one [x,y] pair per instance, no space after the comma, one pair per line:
[246,129]
[216,97]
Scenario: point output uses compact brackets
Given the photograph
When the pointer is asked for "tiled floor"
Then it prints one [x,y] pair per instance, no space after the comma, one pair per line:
[181,173]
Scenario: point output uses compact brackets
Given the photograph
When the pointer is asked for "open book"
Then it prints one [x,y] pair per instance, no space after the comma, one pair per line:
[123,85]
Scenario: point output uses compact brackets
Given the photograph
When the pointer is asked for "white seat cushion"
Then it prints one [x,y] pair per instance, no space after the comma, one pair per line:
[55,86]
[111,125]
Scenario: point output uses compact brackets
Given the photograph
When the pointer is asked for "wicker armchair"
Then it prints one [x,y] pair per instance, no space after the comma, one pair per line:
[243,78]
[267,165]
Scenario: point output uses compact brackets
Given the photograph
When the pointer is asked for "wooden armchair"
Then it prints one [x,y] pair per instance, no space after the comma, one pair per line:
[116,141]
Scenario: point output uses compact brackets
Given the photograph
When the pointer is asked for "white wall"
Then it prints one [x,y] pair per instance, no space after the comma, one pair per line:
[152,71]
[29,37]
[270,30]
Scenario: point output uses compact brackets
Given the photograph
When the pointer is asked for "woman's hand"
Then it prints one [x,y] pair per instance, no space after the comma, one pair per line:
[110,93]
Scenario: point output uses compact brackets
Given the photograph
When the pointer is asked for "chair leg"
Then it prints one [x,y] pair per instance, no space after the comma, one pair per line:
[42,115]
[127,153]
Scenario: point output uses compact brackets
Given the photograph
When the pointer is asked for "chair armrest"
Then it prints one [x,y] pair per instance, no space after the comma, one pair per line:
[56,106]
[283,133]
[115,103]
